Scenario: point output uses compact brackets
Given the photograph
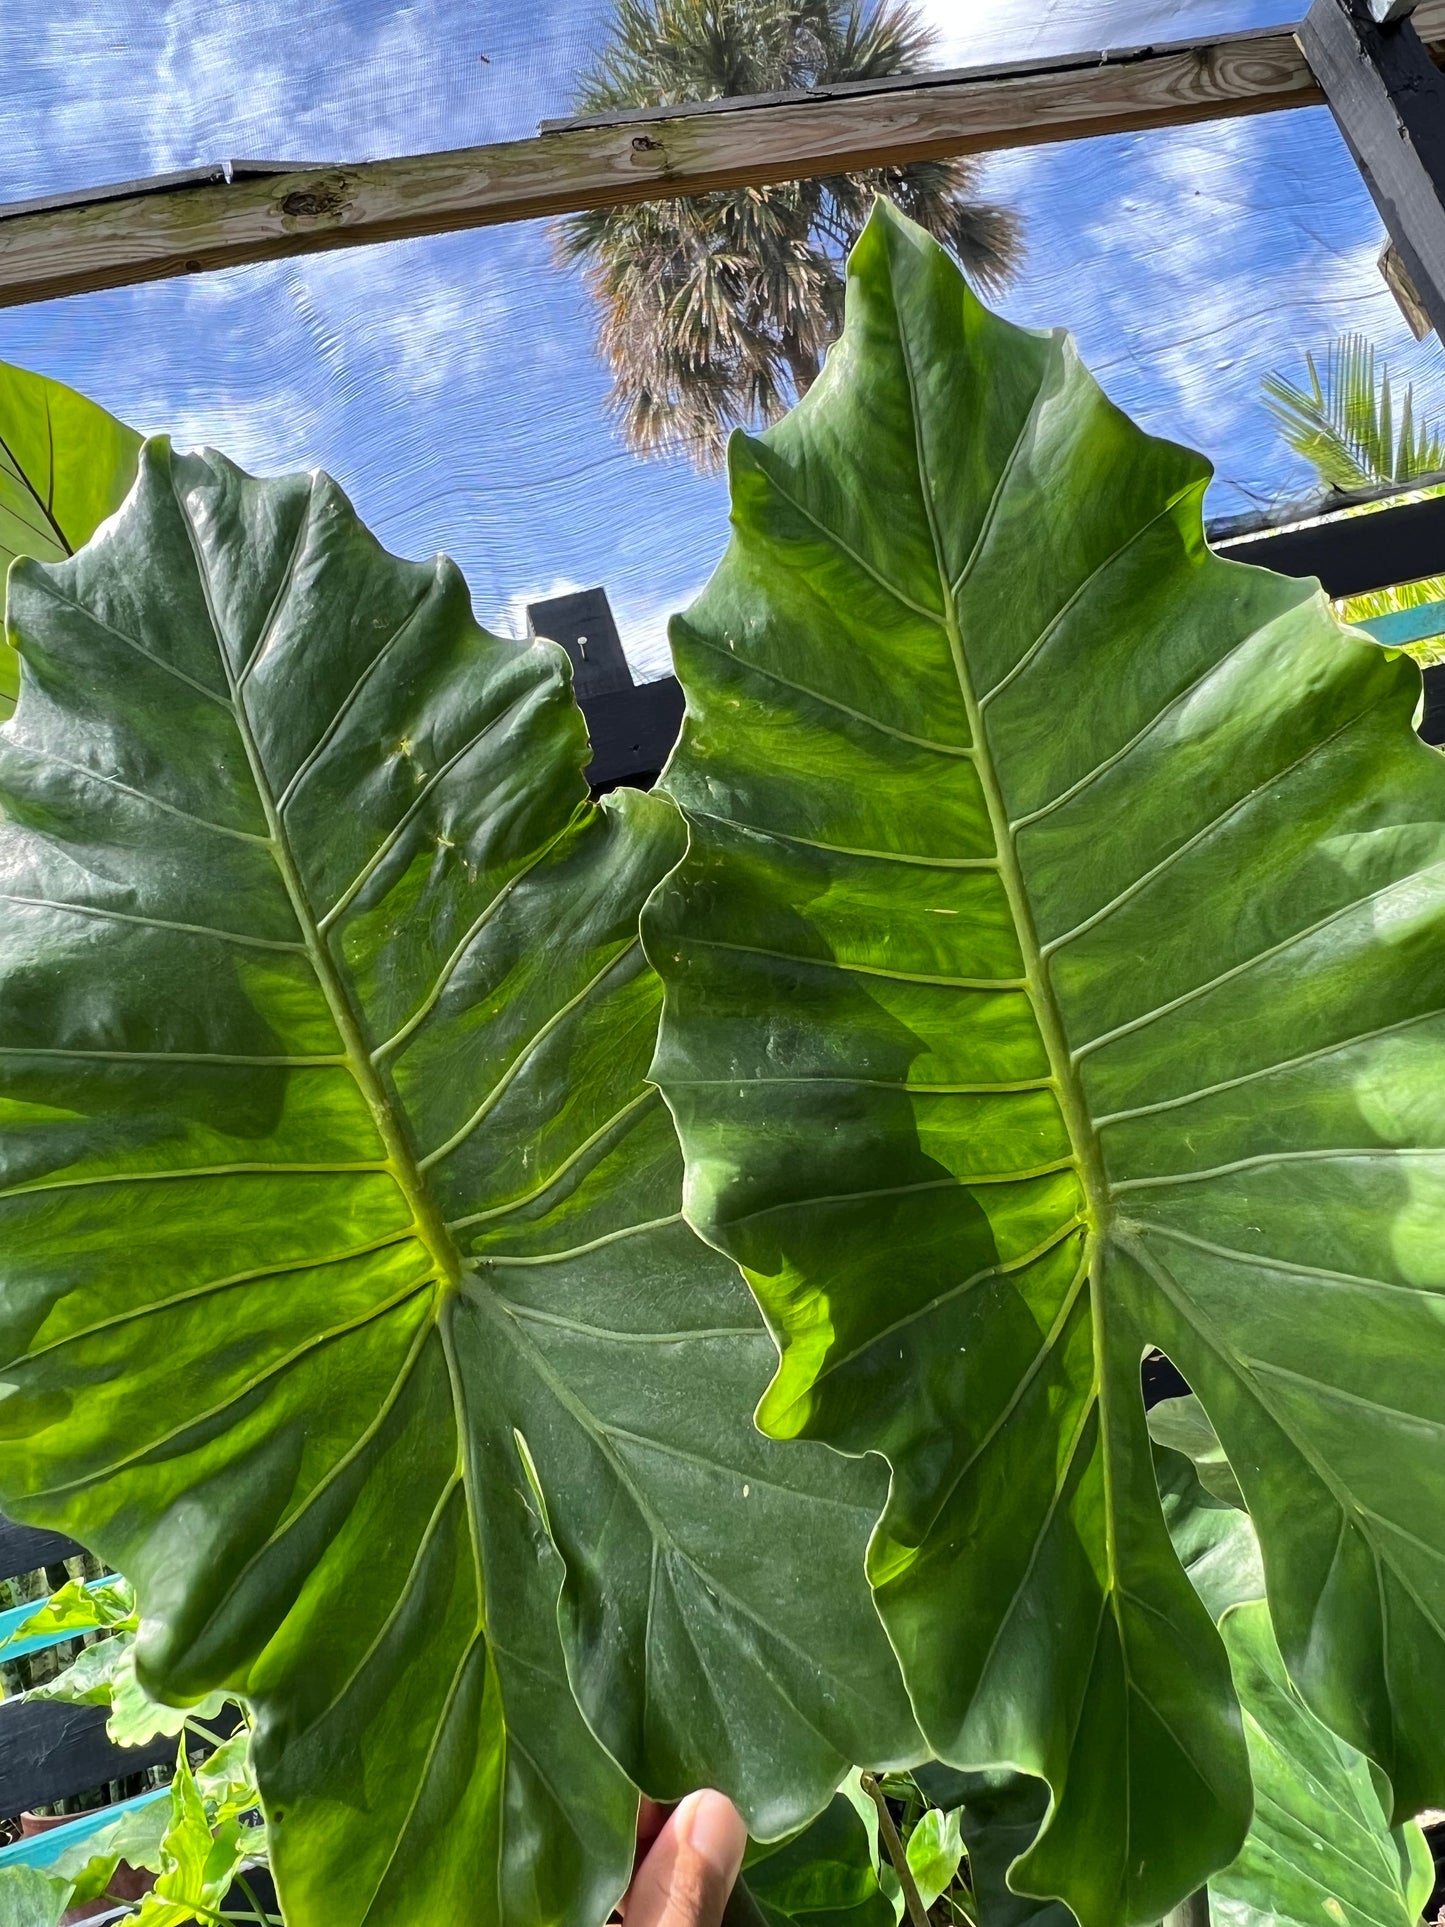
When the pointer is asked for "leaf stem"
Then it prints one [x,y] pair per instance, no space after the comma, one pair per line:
[917,1912]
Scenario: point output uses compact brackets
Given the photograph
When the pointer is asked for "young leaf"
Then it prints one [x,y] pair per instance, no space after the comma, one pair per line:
[78,1608]
[135,1839]
[935,1848]
[90,1678]
[1057,968]
[199,1859]
[346,1292]
[65,464]
[136,1718]
[999,1816]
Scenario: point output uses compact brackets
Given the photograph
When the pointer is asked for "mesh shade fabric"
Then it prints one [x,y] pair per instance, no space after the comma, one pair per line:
[453,384]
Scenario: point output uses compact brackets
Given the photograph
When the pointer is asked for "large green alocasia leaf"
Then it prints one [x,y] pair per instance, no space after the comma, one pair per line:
[1057,968]
[1320,1850]
[346,1298]
[65,465]
[826,1876]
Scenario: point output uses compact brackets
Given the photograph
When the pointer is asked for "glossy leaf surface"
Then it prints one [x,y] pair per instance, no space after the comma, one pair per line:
[1057,968]
[826,1876]
[999,1816]
[1320,1850]
[935,1848]
[346,1294]
[65,464]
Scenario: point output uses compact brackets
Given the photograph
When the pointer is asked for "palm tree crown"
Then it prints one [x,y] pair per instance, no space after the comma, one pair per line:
[717,310]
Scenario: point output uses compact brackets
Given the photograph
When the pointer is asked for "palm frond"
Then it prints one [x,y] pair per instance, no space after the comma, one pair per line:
[1342,421]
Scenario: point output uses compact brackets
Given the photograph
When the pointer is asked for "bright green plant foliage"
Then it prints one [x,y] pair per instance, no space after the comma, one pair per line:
[104,1674]
[1057,967]
[136,1839]
[32,1898]
[77,1608]
[1320,1851]
[826,1876]
[935,1848]
[999,1815]
[206,1845]
[345,1283]
[65,464]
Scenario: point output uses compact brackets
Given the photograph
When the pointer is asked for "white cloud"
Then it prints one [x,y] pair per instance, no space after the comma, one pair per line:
[513,618]
[642,624]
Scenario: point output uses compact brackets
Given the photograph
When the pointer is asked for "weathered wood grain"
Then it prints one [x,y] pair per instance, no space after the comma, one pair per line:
[1389,101]
[153,233]
[51,1752]
[1354,554]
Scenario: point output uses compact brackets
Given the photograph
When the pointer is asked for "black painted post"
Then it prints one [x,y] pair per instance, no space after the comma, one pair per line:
[1389,99]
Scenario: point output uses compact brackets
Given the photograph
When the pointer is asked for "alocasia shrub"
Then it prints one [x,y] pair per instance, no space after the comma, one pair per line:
[1057,968]
[347,1305]
[1053,963]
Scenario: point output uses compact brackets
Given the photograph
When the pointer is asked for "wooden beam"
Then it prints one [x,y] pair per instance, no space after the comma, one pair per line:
[1389,99]
[27,1549]
[148,232]
[51,1752]
[1354,554]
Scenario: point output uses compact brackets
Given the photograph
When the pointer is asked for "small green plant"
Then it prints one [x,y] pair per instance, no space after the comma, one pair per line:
[1346,424]
[1033,956]
[199,1840]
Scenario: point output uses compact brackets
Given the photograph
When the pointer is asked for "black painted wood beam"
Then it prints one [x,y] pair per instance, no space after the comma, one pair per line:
[1389,100]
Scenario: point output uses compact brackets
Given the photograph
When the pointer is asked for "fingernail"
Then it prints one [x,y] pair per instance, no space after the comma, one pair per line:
[711,1826]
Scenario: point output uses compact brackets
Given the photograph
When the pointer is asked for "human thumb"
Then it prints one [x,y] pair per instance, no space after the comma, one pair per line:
[688,1875]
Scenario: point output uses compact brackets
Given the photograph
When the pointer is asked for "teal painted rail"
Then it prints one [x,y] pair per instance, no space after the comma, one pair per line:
[44,1849]
[15,1617]
[1407,625]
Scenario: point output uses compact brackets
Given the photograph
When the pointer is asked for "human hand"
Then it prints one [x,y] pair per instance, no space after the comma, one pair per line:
[688,1862]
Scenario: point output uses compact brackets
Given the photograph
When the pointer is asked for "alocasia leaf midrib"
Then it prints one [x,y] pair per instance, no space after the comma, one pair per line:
[1060,904]
[334,1178]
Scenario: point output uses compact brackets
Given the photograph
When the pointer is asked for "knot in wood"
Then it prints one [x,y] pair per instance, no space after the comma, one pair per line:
[311,201]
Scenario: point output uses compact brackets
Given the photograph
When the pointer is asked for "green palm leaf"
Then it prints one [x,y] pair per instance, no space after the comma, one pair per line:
[1056,969]
[347,1306]
[1343,421]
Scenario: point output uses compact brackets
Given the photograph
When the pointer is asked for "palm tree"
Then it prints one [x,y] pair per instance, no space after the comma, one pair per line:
[717,310]
[1346,423]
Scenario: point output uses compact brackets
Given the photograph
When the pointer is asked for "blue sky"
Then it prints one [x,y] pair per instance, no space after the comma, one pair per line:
[452,384]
